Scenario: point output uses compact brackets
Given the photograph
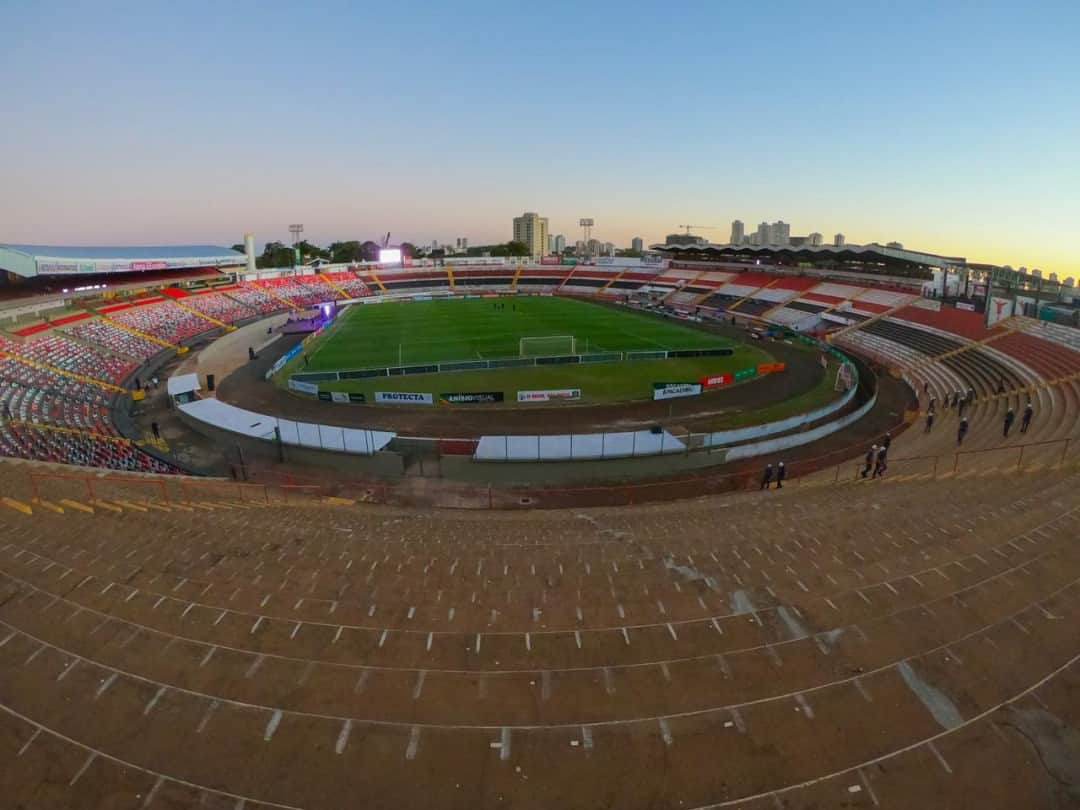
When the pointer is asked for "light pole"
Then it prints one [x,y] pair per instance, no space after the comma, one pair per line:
[296,231]
[586,224]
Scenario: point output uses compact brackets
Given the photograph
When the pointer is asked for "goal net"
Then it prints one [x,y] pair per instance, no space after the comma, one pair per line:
[547,346]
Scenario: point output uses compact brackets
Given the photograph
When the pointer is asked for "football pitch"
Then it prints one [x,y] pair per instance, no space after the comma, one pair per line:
[466,329]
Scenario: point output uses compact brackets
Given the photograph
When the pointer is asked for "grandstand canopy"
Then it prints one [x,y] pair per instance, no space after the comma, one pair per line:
[871,258]
[47,260]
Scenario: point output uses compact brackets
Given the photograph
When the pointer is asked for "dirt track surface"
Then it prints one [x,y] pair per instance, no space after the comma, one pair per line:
[895,645]
[245,387]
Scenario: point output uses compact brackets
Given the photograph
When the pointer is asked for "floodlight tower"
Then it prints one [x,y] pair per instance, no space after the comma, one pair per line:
[296,231]
[586,224]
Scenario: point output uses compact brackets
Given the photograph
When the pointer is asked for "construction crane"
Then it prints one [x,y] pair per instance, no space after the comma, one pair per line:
[699,227]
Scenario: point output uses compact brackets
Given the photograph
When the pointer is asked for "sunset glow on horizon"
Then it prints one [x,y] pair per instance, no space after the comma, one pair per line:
[954,131]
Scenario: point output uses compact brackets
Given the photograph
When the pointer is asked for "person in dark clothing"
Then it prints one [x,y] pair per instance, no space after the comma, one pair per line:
[1025,421]
[871,456]
[886,442]
[926,387]
[961,431]
[1001,386]
[766,478]
[929,421]
[1010,417]
[879,464]
[780,474]
[963,404]
[155,429]
[932,407]
[971,395]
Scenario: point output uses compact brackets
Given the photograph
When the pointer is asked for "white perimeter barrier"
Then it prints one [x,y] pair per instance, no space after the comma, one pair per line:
[723,437]
[218,414]
[577,446]
[799,439]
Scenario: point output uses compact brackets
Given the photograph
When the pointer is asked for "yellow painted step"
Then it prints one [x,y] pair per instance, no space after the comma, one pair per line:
[52,507]
[81,507]
[18,506]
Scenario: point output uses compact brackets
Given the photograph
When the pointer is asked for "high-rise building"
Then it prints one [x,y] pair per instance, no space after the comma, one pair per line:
[551,243]
[607,249]
[560,243]
[464,243]
[637,244]
[815,239]
[593,247]
[838,240]
[738,231]
[764,234]
[532,229]
[780,233]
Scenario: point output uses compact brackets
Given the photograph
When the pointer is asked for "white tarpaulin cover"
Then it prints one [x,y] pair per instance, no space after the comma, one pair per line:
[221,415]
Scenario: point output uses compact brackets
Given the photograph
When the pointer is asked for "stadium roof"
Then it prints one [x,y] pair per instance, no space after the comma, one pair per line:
[824,251]
[33,260]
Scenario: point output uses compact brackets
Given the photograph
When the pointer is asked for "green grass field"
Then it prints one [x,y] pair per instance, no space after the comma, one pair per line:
[418,332]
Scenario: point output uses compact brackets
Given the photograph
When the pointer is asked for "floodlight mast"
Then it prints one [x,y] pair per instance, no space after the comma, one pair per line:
[586,224]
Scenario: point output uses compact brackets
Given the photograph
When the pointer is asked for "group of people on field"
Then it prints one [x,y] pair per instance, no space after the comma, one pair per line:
[959,401]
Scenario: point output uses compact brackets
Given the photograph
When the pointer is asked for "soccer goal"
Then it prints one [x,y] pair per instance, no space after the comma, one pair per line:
[547,346]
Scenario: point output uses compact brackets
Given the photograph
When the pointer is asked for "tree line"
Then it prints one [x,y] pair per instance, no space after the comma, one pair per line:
[279,254]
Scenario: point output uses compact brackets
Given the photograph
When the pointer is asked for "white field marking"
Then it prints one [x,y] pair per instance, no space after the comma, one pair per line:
[774,656]
[382,638]
[421,676]
[11,635]
[337,635]
[625,635]
[1020,626]
[586,738]
[808,710]
[306,673]
[82,770]
[64,672]
[723,664]
[254,627]
[577,638]
[106,589]
[361,682]
[504,748]
[671,630]
[862,690]
[414,743]
[295,630]
[34,655]
[528,642]
[740,724]
[665,732]
[187,610]
[940,758]
[153,791]
[105,685]
[716,626]
[254,666]
[131,595]
[665,671]
[150,704]
[869,788]
[864,597]
[221,616]
[343,737]
[272,725]
[949,652]
[26,744]
[477,647]
[609,682]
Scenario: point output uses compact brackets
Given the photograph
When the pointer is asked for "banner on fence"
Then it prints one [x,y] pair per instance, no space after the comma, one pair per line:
[403,398]
[303,387]
[745,374]
[549,395]
[470,397]
[716,380]
[354,398]
[770,368]
[339,396]
[674,390]
[325,396]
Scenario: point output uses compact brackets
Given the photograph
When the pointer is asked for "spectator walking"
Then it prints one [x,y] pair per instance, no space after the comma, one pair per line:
[1001,385]
[780,474]
[766,478]
[929,421]
[963,404]
[1010,417]
[961,431]
[880,464]
[1025,421]
[886,442]
[871,457]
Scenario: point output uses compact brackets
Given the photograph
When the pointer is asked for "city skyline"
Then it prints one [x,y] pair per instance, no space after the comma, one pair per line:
[963,154]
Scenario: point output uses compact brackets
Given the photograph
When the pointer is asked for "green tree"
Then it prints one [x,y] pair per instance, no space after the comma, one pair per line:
[517,249]
[369,251]
[275,254]
[344,252]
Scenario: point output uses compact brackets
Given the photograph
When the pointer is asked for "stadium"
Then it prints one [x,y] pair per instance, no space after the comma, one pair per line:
[499,533]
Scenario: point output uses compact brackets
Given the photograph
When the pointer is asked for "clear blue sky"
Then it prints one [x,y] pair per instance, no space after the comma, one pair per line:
[952,127]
